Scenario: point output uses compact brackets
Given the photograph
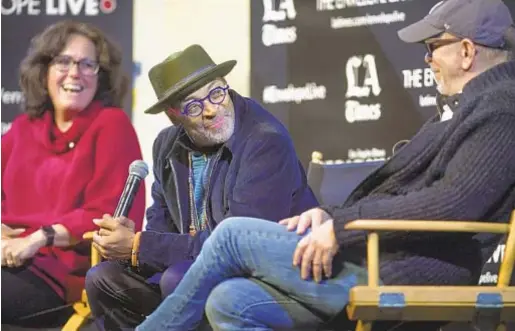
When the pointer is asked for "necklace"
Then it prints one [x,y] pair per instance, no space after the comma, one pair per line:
[197,224]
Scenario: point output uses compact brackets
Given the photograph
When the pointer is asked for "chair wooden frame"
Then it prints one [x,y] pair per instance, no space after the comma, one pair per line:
[374,302]
[82,310]
[404,303]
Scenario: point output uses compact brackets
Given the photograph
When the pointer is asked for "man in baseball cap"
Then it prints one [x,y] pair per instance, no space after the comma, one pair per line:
[463,38]
[485,22]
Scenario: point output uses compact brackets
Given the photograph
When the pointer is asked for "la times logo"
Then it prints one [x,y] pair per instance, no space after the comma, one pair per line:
[278,11]
[355,111]
[58,7]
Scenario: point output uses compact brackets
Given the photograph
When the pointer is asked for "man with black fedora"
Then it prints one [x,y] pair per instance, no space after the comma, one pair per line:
[253,274]
[224,156]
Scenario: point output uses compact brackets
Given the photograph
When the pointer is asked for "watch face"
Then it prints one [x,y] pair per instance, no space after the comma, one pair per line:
[49,234]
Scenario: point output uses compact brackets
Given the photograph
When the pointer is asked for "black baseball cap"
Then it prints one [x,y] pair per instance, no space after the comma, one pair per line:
[485,22]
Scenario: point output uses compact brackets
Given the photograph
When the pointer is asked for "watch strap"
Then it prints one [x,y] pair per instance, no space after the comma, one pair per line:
[49,233]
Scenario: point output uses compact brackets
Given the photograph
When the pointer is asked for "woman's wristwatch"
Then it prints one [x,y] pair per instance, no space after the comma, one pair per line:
[49,233]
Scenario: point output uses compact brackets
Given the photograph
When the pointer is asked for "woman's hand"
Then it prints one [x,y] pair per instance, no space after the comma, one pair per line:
[15,251]
[8,232]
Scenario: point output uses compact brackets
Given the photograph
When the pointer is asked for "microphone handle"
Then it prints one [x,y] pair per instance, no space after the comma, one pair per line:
[127,197]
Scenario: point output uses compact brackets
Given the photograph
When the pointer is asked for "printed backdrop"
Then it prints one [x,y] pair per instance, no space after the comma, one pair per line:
[337,75]
[22,20]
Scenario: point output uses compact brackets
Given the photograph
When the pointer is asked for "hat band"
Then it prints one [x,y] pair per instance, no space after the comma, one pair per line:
[190,76]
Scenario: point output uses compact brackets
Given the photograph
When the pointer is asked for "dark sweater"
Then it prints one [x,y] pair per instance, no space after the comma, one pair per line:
[460,169]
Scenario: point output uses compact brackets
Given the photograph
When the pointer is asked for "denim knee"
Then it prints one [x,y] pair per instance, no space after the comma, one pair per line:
[224,230]
[231,223]
[244,304]
[237,223]
[219,303]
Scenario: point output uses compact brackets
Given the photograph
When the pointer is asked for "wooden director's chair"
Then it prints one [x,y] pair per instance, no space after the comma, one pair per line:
[373,302]
[494,305]
[82,312]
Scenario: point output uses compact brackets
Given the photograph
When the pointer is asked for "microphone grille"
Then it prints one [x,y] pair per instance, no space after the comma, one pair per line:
[138,168]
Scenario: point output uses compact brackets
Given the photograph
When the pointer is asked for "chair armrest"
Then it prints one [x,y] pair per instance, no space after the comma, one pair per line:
[376,226]
[427,226]
[88,235]
[96,258]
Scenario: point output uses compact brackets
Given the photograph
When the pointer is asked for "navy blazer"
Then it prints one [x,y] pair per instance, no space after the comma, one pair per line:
[256,173]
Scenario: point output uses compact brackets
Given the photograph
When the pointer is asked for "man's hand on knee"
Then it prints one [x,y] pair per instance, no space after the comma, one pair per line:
[312,218]
[314,253]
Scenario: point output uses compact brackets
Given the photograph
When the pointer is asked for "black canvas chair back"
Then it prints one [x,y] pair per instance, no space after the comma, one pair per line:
[333,183]
[490,271]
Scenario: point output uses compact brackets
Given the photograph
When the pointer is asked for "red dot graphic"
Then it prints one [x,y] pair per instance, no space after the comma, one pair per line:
[107,6]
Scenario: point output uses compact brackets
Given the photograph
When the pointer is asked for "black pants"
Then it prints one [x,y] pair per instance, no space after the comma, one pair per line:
[120,298]
[27,300]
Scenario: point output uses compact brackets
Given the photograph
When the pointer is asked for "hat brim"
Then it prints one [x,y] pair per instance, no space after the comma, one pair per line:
[191,85]
[418,32]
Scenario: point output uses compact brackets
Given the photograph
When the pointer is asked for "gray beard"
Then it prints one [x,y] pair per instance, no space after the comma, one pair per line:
[205,138]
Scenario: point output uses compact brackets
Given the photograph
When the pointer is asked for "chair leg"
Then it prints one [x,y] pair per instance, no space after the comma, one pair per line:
[75,322]
[363,326]
[81,315]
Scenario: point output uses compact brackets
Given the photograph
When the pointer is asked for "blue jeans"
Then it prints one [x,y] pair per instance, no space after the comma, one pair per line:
[244,280]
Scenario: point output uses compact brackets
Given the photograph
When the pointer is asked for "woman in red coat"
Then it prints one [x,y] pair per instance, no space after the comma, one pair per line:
[64,163]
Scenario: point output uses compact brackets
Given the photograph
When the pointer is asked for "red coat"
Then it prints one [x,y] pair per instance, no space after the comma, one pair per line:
[50,177]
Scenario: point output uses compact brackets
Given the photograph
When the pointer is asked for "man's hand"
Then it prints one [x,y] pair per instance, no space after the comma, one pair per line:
[315,252]
[9,233]
[312,218]
[16,251]
[115,237]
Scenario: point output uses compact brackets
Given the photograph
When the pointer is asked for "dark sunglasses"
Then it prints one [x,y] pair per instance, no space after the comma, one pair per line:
[434,43]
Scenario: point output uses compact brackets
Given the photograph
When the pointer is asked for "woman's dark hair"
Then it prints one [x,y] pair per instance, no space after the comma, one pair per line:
[112,82]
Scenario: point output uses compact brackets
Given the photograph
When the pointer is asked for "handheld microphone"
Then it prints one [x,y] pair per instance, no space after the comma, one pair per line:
[138,170]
